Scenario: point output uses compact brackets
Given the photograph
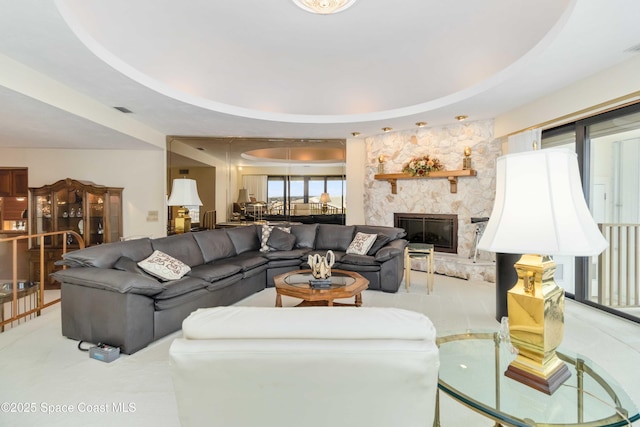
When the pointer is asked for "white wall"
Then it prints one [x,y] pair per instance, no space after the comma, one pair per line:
[356,172]
[141,173]
[599,92]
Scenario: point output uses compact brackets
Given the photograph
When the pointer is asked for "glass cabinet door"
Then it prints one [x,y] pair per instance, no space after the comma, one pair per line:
[43,220]
[115,206]
[95,219]
[69,213]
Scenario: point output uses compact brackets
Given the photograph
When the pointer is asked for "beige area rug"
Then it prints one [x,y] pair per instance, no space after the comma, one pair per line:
[47,381]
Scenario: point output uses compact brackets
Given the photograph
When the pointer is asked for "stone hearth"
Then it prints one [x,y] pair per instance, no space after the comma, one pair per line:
[474,197]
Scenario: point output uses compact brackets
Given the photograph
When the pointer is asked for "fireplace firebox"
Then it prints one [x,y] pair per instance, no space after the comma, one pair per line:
[440,230]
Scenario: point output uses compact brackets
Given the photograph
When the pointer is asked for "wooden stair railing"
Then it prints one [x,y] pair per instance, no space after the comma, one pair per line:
[14,265]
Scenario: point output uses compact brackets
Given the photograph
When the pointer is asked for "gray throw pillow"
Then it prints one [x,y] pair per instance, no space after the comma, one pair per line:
[127,264]
[281,240]
[381,240]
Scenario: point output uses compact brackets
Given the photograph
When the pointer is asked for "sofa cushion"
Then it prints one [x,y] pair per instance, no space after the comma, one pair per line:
[127,264]
[164,266]
[246,261]
[213,272]
[392,249]
[359,259]
[281,240]
[292,254]
[185,299]
[180,246]
[284,263]
[305,235]
[392,232]
[105,256]
[214,244]
[109,279]
[244,238]
[334,237]
[361,243]
[381,240]
[285,323]
[182,286]
[224,283]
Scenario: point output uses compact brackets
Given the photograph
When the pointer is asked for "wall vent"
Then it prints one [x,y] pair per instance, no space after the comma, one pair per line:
[183,171]
[123,110]
[633,49]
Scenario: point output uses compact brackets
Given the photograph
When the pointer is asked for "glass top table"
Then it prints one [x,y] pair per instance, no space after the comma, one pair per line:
[344,284]
[472,369]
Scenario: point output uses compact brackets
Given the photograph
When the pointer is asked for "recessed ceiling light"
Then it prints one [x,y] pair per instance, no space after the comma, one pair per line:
[355,133]
[461,118]
[421,124]
[324,7]
[386,129]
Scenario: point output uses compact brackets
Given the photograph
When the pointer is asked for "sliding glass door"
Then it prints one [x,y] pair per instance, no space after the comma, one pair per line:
[614,153]
[608,148]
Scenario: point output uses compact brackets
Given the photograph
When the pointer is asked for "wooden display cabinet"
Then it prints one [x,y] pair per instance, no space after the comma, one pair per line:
[93,211]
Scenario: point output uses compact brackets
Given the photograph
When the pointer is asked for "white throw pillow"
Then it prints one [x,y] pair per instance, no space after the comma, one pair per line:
[361,244]
[264,236]
[164,266]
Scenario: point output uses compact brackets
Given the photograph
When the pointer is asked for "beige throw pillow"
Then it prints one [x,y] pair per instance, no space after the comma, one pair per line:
[164,266]
[361,244]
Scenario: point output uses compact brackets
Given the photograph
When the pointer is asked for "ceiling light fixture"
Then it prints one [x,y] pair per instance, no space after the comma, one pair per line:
[324,7]
[461,118]
[386,129]
[355,134]
[421,124]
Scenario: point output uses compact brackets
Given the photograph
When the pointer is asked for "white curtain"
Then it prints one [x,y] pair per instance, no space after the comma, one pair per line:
[523,141]
[256,186]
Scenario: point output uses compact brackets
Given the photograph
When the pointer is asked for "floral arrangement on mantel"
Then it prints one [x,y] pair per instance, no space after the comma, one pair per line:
[421,166]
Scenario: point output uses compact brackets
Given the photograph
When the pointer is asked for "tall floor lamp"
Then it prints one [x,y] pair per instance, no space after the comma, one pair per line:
[184,192]
[539,211]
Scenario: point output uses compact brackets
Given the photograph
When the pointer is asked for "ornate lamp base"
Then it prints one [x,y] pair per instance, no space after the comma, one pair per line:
[182,223]
[536,325]
[546,383]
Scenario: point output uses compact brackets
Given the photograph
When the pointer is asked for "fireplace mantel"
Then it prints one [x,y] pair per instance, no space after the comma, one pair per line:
[451,175]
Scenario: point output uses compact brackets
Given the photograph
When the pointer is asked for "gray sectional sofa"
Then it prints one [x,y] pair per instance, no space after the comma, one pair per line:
[108,298]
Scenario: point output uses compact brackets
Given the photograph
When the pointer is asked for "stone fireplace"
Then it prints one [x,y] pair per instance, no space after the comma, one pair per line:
[432,196]
[440,230]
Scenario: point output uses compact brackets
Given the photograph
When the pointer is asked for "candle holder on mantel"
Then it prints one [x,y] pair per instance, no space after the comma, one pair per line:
[466,161]
[381,163]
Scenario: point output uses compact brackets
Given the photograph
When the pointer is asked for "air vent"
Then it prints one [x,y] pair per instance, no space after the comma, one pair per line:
[633,49]
[123,110]
[183,171]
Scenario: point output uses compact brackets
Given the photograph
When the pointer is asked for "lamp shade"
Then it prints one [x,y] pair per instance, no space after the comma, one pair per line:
[325,198]
[243,196]
[184,192]
[540,208]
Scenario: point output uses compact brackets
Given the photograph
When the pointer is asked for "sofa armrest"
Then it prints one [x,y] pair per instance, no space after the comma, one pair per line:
[110,280]
[390,250]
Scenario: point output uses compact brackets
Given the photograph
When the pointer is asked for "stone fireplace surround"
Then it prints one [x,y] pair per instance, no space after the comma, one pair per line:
[474,197]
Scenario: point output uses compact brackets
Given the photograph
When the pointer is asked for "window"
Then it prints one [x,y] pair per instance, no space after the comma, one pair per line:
[283,191]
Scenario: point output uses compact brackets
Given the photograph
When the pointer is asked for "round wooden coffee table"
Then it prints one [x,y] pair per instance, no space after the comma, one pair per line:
[344,284]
